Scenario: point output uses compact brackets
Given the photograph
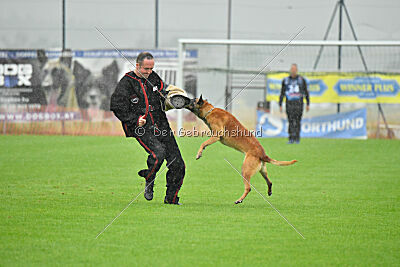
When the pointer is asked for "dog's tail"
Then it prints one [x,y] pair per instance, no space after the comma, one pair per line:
[265,158]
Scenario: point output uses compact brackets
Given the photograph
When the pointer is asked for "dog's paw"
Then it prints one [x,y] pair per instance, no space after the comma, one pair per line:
[270,189]
[198,156]
[238,201]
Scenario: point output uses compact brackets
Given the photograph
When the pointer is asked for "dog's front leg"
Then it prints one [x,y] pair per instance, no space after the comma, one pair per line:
[210,141]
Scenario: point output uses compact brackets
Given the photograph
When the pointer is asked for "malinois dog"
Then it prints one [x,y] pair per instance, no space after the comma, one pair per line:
[230,132]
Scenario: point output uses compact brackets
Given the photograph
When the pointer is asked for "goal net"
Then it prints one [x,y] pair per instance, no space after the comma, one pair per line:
[233,74]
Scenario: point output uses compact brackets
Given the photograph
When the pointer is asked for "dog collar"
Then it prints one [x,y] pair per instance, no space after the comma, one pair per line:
[208,113]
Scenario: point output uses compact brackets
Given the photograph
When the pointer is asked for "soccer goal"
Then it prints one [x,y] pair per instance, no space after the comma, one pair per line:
[233,74]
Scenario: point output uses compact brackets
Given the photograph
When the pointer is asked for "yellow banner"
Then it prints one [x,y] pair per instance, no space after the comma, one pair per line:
[342,87]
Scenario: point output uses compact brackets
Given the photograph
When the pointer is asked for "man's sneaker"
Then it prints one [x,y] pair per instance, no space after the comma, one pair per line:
[176,202]
[148,191]
[143,173]
[290,142]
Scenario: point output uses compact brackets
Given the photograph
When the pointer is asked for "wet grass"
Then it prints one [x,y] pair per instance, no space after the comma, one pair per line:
[57,193]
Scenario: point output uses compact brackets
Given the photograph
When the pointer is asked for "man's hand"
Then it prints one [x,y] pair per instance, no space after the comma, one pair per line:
[307,108]
[280,109]
[142,121]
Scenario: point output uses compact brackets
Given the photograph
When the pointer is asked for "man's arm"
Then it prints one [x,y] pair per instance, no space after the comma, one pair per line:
[163,93]
[162,87]
[306,94]
[283,90]
[121,105]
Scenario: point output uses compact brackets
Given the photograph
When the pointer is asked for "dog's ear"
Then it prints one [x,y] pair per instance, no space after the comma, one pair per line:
[80,73]
[110,75]
[81,78]
[41,56]
[201,101]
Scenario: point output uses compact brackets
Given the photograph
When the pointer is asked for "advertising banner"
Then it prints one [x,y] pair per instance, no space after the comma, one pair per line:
[342,87]
[350,124]
[48,84]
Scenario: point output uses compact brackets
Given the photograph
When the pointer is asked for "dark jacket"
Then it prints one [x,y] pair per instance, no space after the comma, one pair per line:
[134,97]
[294,89]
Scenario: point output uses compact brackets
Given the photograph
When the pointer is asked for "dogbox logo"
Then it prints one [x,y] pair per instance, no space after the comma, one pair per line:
[366,87]
[12,75]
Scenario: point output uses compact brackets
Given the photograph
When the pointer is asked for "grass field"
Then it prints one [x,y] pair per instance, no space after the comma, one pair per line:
[57,193]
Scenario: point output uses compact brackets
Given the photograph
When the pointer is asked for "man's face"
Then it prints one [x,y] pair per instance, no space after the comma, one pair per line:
[146,68]
[293,71]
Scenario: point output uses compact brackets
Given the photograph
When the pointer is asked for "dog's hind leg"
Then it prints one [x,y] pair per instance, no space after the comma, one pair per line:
[250,166]
[210,141]
[263,172]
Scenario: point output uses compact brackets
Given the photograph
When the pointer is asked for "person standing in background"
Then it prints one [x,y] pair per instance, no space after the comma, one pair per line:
[294,88]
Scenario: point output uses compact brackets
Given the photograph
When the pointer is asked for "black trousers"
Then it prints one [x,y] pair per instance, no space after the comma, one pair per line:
[294,113]
[161,145]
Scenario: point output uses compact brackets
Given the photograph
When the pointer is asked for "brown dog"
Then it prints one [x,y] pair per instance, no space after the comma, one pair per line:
[229,131]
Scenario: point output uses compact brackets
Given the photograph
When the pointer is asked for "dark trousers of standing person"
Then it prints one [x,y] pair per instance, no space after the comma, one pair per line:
[294,113]
[162,146]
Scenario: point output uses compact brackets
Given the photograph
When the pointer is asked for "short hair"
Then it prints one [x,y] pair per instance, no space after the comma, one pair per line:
[142,56]
[294,64]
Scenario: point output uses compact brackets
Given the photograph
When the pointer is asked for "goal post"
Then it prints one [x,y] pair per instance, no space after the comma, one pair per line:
[252,60]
